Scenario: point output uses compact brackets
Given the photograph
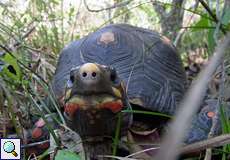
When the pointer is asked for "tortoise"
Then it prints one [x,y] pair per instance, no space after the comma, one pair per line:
[113,71]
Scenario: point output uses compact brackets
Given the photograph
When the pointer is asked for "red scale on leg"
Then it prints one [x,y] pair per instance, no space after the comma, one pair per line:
[37,133]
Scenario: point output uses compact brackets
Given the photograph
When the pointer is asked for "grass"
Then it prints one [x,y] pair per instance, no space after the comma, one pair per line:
[224,115]
[147,113]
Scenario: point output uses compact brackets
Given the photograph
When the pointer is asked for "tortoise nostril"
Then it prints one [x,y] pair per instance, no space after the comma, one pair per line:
[84,74]
[72,78]
[94,74]
[113,75]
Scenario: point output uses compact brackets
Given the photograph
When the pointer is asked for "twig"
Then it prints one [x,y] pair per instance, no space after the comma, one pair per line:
[190,148]
[115,157]
[117,5]
[142,151]
[209,143]
[172,141]
[17,44]
[75,22]
[212,15]
[34,144]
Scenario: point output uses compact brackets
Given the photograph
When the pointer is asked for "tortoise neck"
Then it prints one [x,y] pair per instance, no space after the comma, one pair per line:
[96,150]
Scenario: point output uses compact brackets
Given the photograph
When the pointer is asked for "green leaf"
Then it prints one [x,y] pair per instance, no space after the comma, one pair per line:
[66,155]
[11,67]
[71,11]
[201,24]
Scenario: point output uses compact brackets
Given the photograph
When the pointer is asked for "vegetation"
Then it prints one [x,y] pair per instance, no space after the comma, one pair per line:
[33,33]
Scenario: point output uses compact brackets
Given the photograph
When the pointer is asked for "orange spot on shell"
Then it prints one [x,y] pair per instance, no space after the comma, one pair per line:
[107,37]
[37,133]
[71,108]
[40,123]
[113,106]
[210,114]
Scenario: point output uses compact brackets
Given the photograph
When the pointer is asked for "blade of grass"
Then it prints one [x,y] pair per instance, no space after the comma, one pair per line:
[45,107]
[10,108]
[117,134]
[39,109]
[52,97]
[225,129]
[147,112]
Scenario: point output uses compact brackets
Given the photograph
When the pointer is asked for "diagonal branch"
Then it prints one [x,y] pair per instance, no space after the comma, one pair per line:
[172,141]
[209,143]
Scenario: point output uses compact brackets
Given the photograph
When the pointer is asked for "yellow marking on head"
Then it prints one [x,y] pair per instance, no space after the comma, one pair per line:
[67,94]
[117,92]
[94,102]
[108,99]
[89,67]
[77,100]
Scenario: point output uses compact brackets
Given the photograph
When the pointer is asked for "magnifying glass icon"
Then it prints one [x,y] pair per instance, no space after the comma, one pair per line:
[9,147]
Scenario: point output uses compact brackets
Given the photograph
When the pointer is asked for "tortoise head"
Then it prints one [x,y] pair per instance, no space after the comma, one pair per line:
[94,96]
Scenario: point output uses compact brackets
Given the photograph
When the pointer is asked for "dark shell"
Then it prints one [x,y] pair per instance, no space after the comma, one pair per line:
[145,60]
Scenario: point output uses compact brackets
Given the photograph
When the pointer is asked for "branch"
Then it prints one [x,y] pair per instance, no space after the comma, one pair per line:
[209,143]
[212,15]
[17,44]
[190,104]
[117,5]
